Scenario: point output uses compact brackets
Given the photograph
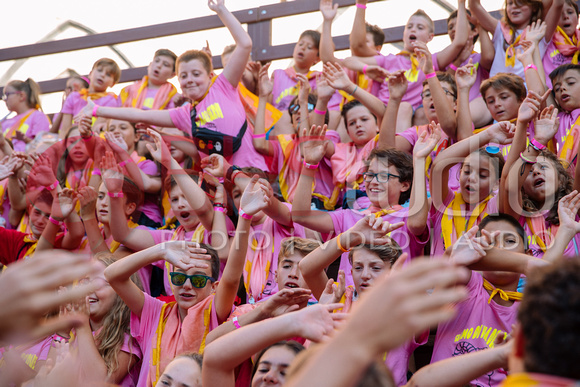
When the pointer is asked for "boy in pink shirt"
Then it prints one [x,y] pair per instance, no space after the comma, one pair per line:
[153,91]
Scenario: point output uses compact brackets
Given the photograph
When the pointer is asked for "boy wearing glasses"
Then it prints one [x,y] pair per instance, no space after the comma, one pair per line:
[164,330]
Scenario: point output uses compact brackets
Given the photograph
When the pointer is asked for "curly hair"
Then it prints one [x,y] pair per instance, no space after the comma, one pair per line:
[565,186]
[549,317]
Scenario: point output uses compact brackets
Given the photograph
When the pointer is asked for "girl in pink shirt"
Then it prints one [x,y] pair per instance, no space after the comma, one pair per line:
[23,98]
[216,117]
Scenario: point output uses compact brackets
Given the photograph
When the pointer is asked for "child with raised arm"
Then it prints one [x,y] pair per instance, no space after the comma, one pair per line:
[23,98]
[153,91]
[510,31]
[104,74]
[216,117]
[389,184]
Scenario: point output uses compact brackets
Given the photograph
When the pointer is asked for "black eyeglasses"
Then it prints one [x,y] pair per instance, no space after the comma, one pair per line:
[5,96]
[197,280]
[427,93]
[382,177]
[293,109]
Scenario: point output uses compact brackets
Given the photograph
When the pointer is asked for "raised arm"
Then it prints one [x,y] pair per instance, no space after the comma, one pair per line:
[265,87]
[239,57]
[314,146]
[88,200]
[465,79]
[419,203]
[387,135]
[328,12]
[449,53]
[488,22]
[358,36]
[149,117]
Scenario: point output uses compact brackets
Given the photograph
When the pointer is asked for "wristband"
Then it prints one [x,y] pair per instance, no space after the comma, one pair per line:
[311,166]
[219,205]
[361,6]
[52,186]
[236,174]
[231,171]
[58,223]
[245,215]
[525,159]
[431,75]
[530,66]
[97,172]
[536,145]
[353,90]
[340,246]
[219,209]
[115,194]
[453,67]
[236,323]
[321,112]
[258,135]
[365,69]
[125,162]
[95,110]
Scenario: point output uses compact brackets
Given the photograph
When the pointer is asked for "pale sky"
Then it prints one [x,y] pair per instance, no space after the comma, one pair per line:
[112,15]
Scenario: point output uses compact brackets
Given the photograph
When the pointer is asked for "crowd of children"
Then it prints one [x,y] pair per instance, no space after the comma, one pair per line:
[234,224]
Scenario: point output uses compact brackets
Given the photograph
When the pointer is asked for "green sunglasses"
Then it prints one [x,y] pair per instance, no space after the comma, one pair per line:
[197,280]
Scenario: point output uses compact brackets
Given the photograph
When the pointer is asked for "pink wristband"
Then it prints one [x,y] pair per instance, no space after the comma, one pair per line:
[321,112]
[258,135]
[244,215]
[530,66]
[361,6]
[125,162]
[58,223]
[97,172]
[52,186]
[311,166]
[95,110]
[236,323]
[365,66]
[115,194]
[453,67]
[431,75]
[220,209]
[536,145]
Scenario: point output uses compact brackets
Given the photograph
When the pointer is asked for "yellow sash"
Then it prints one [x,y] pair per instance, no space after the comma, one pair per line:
[413,73]
[506,296]
[569,149]
[453,219]
[10,132]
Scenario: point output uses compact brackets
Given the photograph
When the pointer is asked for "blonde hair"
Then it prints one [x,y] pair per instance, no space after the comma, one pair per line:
[424,15]
[292,245]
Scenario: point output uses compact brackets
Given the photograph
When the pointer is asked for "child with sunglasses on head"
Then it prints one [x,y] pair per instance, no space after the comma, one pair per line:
[537,180]
[388,185]
[452,213]
[164,330]
[286,150]
[371,254]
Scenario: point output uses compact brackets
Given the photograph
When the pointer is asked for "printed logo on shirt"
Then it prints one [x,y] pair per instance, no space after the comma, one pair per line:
[148,103]
[411,75]
[289,91]
[481,332]
[213,112]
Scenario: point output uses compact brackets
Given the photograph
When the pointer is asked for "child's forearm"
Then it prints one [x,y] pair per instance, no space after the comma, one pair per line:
[75,231]
[150,117]
[443,108]
[358,36]
[496,259]
[245,319]
[219,235]
[375,105]
[488,22]
[387,133]
[326,43]
[122,270]
[278,212]
[302,213]
[464,121]
[556,250]
[317,118]
[419,204]
[91,361]
[313,265]
[259,139]
[94,236]
[487,49]
[15,195]
[459,371]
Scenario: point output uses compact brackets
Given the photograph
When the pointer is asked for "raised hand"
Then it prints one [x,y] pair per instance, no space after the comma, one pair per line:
[256,196]
[316,322]
[465,76]
[85,124]
[313,144]
[286,301]
[424,56]
[216,5]
[7,167]
[111,173]
[535,31]
[546,125]
[323,88]
[526,55]
[206,49]
[398,84]
[336,76]
[87,197]
[117,143]
[469,249]
[372,231]
[185,255]
[333,293]
[64,204]
[87,111]
[568,208]
[304,88]
[427,141]
[216,165]
[328,10]
[376,73]
[159,149]
[502,132]
[41,173]
[265,86]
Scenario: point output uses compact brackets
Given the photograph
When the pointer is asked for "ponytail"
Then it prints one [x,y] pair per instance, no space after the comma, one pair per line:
[32,91]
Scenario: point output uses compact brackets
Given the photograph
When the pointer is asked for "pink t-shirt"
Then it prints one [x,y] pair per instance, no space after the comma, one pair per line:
[33,354]
[567,120]
[150,205]
[572,250]
[436,214]
[132,348]
[475,327]
[410,243]
[552,59]
[285,89]
[393,63]
[398,359]
[222,111]
[74,103]
[144,329]
[482,73]
[149,97]
[35,123]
